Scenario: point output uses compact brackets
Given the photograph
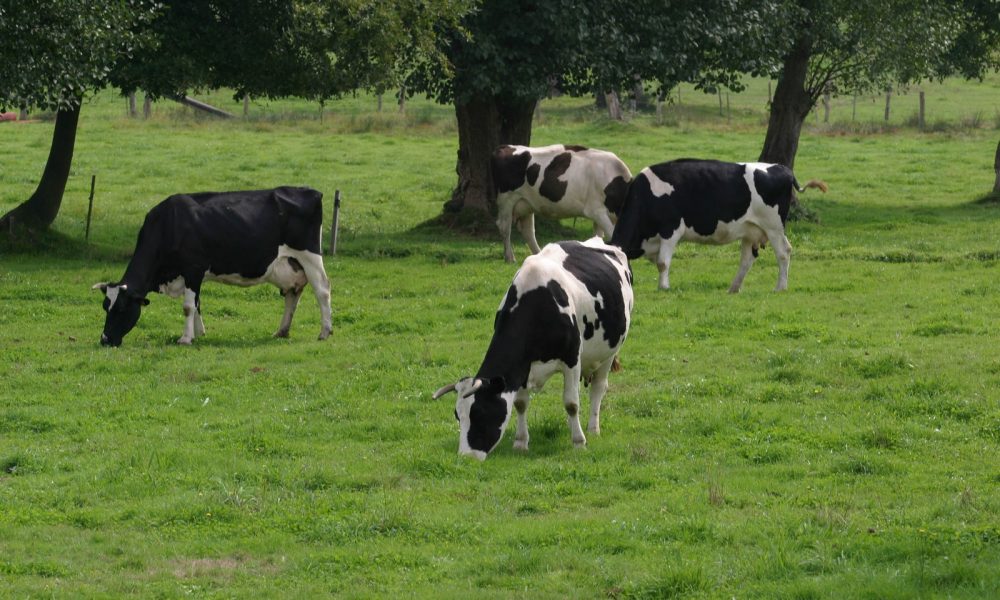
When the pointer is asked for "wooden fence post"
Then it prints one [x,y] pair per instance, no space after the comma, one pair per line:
[335,226]
[147,106]
[826,107]
[888,99]
[131,105]
[996,167]
[90,207]
[921,121]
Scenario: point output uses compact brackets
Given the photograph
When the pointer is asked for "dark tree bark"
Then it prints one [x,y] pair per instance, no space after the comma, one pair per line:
[483,124]
[996,168]
[789,108]
[40,210]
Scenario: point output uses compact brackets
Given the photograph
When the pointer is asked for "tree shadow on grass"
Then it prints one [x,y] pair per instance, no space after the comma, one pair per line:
[54,244]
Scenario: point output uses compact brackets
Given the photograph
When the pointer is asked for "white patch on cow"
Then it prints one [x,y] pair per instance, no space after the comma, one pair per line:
[656,185]
[750,169]
[112,294]
[173,289]
[279,273]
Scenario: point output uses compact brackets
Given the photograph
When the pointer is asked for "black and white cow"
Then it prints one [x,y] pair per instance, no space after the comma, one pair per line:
[558,181]
[567,311]
[239,238]
[709,202]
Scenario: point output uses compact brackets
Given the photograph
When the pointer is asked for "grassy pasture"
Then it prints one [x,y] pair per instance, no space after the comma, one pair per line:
[837,440]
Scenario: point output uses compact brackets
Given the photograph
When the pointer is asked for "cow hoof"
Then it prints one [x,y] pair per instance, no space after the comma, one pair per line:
[521,445]
[281,333]
[184,341]
[580,443]
[733,290]
[323,335]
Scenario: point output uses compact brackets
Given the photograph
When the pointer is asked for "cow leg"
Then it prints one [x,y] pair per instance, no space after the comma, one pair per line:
[505,219]
[598,386]
[783,252]
[665,255]
[603,226]
[526,225]
[316,276]
[746,261]
[571,402]
[190,316]
[292,297]
[199,325]
[521,434]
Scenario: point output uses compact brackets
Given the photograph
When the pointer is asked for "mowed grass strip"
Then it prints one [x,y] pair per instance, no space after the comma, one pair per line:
[836,440]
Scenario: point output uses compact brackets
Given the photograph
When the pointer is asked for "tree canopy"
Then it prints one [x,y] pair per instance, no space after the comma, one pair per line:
[55,50]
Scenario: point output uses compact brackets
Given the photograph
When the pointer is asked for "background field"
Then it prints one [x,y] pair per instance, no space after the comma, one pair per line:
[837,440]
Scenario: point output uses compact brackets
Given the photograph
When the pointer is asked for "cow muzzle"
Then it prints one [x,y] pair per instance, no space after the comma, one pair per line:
[105,341]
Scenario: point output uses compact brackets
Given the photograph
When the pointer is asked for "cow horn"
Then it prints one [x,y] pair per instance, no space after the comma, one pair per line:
[100,286]
[441,392]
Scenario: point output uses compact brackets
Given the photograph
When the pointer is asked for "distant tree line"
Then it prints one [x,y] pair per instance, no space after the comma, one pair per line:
[493,60]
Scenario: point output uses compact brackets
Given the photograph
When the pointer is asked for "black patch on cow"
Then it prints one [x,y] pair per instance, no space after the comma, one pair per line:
[571,409]
[508,169]
[705,193]
[558,293]
[227,233]
[615,193]
[593,267]
[295,264]
[551,187]
[576,148]
[520,405]
[531,176]
[588,328]
[775,186]
[527,329]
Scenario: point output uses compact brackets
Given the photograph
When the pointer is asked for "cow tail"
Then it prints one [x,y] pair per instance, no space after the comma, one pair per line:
[813,183]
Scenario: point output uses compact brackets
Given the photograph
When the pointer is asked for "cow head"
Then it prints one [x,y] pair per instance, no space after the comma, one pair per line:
[482,410]
[122,307]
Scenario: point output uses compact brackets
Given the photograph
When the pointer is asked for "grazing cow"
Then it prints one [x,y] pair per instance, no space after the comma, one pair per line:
[568,310]
[709,202]
[239,238]
[558,181]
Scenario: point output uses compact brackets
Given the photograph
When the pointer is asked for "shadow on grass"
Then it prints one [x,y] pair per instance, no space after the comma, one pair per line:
[54,244]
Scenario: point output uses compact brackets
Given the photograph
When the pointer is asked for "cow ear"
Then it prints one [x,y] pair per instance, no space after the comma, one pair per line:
[144,301]
[100,286]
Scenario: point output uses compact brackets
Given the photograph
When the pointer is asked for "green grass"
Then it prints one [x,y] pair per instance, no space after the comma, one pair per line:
[837,440]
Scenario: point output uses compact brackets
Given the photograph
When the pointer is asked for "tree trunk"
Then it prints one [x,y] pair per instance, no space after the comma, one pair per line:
[614,105]
[483,124]
[996,167]
[789,108]
[40,210]
[147,106]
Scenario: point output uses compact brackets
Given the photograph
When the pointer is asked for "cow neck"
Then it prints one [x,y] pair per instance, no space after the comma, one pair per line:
[142,269]
[507,355]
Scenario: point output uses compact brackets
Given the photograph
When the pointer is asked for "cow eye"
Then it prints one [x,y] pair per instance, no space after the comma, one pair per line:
[106,304]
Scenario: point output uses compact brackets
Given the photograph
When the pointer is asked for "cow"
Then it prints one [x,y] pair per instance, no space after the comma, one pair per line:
[239,238]
[568,310]
[557,181]
[709,202]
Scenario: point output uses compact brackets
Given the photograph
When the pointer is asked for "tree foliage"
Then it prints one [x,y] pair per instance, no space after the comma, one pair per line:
[55,50]
[316,49]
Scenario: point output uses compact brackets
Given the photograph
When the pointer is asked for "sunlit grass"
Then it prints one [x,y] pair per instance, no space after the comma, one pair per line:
[836,440]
